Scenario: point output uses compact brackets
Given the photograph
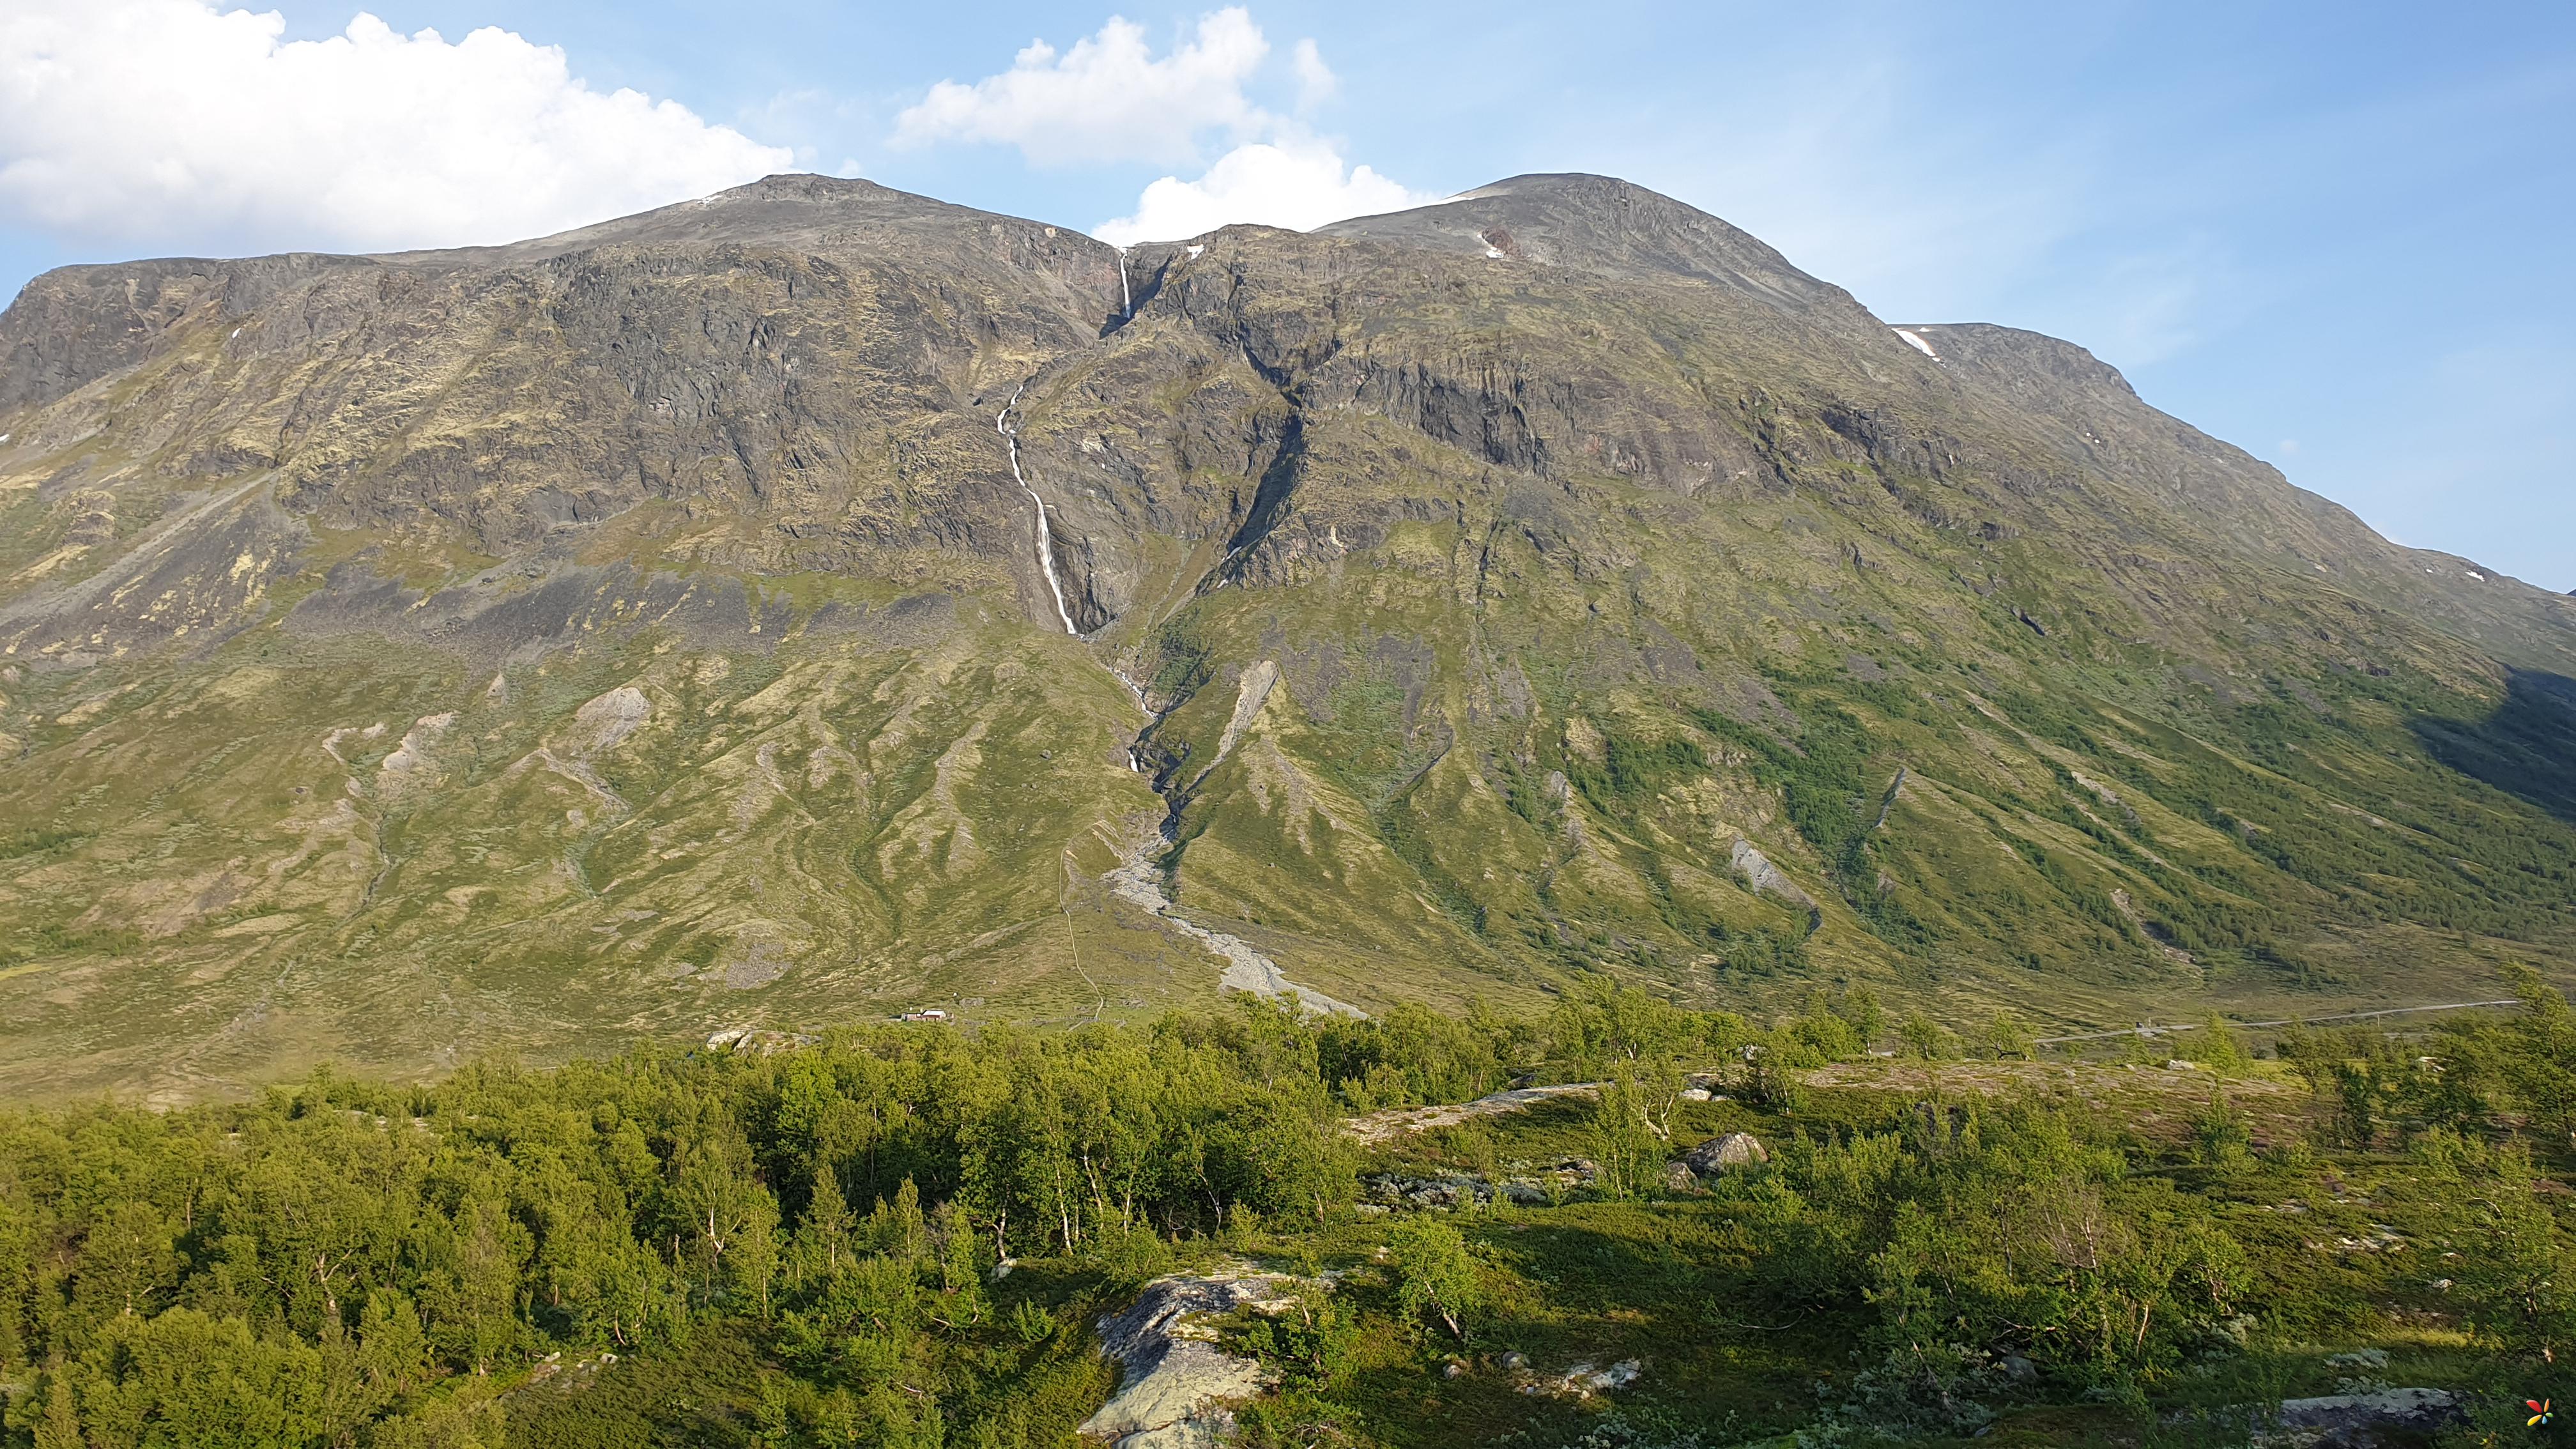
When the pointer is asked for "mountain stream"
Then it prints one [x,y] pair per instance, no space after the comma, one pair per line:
[1138,879]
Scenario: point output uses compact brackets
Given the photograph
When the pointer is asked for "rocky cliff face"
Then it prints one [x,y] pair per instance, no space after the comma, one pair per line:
[645,629]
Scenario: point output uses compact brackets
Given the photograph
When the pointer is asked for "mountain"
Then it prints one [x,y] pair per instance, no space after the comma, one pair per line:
[663,627]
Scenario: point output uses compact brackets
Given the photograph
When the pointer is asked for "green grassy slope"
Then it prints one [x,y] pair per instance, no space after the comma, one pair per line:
[642,633]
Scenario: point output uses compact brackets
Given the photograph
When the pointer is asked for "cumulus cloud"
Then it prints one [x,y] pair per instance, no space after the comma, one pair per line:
[1316,82]
[168,120]
[1298,184]
[1106,99]
[1110,99]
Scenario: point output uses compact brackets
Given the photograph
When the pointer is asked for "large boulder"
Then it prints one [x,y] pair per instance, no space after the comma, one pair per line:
[1176,1384]
[1720,1155]
[2368,1421]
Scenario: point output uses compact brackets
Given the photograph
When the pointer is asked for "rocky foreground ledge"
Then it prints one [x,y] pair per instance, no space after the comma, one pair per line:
[1176,1383]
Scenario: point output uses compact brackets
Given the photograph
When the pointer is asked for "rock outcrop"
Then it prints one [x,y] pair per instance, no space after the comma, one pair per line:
[1400,1121]
[1720,1155]
[1175,1384]
[2384,1419]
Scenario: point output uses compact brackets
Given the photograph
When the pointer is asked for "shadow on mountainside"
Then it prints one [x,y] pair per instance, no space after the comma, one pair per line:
[2526,747]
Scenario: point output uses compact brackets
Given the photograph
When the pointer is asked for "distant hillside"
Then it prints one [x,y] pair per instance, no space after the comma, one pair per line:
[649,630]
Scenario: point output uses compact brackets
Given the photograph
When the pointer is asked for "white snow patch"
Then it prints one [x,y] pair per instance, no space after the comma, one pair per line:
[2473,573]
[1919,344]
[1194,251]
[1494,253]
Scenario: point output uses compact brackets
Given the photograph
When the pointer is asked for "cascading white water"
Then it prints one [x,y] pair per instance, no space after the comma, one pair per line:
[1046,538]
[1138,880]
[1126,299]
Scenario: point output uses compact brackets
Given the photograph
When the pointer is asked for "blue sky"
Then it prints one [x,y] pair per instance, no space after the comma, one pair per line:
[2333,234]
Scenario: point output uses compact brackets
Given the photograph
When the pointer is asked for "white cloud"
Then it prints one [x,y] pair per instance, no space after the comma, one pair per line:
[1109,99]
[1106,99]
[1316,82]
[1298,183]
[170,121]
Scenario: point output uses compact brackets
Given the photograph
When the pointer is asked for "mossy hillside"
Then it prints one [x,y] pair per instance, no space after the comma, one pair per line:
[1570,577]
[2034,873]
[1996,854]
[1999,827]
[846,812]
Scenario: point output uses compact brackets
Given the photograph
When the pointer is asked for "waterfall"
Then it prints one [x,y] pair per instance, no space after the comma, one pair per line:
[1046,538]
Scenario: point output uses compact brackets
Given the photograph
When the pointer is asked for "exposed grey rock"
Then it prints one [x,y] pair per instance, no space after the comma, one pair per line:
[1397,1121]
[1763,876]
[1176,1383]
[1443,1193]
[1584,1379]
[1526,1183]
[1138,881]
[2366,1421]
[1720,1155]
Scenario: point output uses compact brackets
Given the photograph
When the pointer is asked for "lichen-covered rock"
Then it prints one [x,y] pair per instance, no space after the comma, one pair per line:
[1720,1155]
[1458,1190]
[1586,1379]
[1177,1384]
[2367,1421]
